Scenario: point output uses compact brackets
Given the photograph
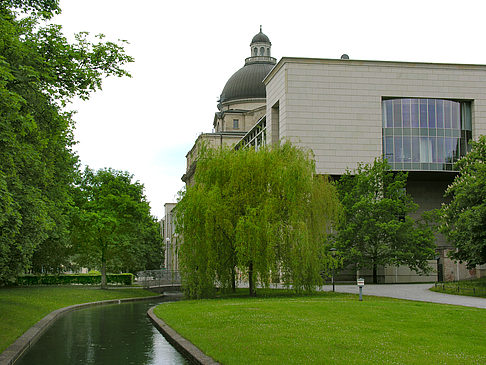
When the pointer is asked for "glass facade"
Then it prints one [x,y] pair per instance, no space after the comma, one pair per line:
[425,134]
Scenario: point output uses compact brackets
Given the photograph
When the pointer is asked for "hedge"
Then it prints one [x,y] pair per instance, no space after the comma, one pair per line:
[117,279]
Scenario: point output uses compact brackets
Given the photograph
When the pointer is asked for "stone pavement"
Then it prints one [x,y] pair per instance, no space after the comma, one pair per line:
[419,292]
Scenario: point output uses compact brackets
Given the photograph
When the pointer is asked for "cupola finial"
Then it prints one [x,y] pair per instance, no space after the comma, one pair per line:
[260,28]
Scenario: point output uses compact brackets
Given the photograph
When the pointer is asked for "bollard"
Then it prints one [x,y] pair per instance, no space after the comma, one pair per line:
[360,286]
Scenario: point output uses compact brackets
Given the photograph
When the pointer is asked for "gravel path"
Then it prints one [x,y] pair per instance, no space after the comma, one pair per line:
[419,292]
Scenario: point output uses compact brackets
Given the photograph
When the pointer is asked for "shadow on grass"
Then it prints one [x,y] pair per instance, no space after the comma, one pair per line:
[271,293]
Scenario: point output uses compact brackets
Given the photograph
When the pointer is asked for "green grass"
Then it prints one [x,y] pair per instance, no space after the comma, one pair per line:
[330,328]
[20,308]
[475,288]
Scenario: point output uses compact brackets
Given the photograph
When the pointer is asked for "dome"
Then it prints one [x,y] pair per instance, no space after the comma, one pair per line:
[247,82]
[260,38]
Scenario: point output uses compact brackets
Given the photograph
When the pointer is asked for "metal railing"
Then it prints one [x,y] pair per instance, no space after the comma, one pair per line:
[157,278]
[461,288]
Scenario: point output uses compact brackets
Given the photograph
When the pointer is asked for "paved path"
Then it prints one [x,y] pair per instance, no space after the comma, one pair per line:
[419,292]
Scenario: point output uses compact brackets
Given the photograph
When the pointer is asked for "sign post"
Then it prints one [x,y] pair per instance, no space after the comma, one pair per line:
[360,286]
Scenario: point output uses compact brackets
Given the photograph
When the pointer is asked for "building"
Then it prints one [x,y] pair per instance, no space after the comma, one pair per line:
[241,103]
[420,116]
[170,238]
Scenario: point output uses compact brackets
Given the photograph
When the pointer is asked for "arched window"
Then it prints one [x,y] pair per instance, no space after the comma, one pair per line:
[268,52]
[262,51]
[255,51]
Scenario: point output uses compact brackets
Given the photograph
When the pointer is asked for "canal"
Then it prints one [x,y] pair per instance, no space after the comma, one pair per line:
[106,334]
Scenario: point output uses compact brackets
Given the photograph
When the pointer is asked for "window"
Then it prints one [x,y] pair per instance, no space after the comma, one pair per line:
[425,134]
[235,124]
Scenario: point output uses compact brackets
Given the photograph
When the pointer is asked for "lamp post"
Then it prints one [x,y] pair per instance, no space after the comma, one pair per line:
[333,253]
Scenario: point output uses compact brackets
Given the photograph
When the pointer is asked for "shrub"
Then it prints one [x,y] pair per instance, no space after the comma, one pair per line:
[83,279]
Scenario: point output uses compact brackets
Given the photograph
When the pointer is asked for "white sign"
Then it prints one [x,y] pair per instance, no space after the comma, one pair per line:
[360,282]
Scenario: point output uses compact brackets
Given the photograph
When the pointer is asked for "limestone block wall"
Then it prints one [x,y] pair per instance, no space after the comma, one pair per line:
[334,106]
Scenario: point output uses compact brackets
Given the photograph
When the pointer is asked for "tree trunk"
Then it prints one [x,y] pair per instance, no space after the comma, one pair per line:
[375,274]
[103,270]
[250,279]
[233,280]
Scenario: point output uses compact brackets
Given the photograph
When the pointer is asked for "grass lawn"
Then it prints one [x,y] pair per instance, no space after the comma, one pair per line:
[20,308]
[330,328]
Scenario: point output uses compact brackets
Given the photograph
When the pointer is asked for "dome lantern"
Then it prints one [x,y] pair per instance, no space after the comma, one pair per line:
[260,45]
[247,82]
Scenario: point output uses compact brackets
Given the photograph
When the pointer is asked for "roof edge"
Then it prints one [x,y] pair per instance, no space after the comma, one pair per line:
[305,60]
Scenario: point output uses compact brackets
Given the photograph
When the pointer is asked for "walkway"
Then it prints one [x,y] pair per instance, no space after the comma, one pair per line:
[419,292]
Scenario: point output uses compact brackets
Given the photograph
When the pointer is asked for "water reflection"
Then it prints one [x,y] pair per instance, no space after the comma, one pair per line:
[110,334]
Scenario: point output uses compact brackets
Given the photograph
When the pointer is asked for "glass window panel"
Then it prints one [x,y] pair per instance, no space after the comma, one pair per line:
[447,114]
[389,149]
[456,149]
[463,150]
[406,113]
[440,150]
[440,113]
[425,149]
[407,149]
[397,113]
[468,139]
[448,149]
[431,108]
[414,107]
[389,113]
[433,148]
[455,115]
[415,149]
[398,149]
[423,113]
[466,107]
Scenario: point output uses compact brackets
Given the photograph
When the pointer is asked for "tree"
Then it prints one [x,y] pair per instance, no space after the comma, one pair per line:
[261,213]
[463,219]
[40,72]
[376,229]
[113,228]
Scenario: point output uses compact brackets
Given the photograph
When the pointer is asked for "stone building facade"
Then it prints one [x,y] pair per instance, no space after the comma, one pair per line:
[420,116]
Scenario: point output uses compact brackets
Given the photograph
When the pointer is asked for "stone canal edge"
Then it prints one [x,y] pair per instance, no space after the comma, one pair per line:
[185,347]
[24,342]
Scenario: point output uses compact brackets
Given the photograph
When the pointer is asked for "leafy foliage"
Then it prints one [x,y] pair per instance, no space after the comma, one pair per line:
[257,213]
[464,218]
[376,229]
[112,225]
[40,72]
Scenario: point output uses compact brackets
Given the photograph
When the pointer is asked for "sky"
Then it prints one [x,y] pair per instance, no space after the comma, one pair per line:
[185,51]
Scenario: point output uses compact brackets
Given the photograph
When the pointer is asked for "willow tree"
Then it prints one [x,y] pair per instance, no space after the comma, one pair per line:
[264,214]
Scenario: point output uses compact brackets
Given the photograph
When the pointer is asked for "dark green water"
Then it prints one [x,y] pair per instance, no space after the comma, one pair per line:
[108,334]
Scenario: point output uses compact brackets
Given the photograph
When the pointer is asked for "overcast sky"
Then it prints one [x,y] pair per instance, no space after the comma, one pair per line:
[185,51]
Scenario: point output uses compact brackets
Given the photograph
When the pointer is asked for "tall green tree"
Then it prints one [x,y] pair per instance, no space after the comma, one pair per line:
[377,229]
[260,213]
[40,72]
[112,225]
[464,217]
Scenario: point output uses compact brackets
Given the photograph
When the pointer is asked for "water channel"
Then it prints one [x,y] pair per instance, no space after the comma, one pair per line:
[107,334]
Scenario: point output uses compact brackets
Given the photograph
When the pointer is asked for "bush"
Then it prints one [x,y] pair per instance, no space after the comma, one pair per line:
[83,279]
